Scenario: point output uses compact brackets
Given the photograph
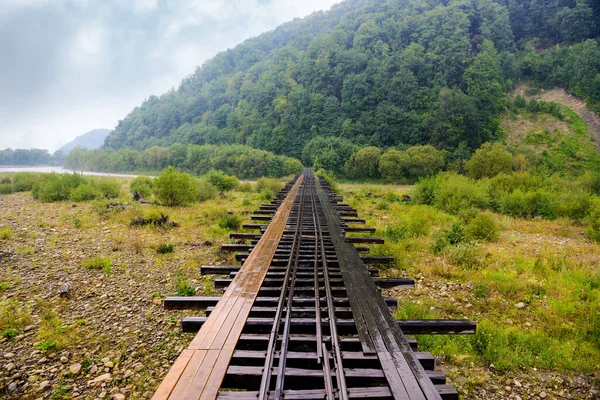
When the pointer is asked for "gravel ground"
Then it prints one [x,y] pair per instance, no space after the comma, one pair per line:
[118,341]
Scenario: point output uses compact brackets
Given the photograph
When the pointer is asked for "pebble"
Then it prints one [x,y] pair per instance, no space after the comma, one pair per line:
[520,305]
[119,396]
[75,368]
[43,385]
[518,384]
[9,367]
[507,388]
[543,395]
[109,364]
[94,369]
[100,379]
[12,387]
[64,360]
[9,355]
[138,367]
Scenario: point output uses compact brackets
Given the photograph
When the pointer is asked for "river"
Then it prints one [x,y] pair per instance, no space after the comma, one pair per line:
[57,169]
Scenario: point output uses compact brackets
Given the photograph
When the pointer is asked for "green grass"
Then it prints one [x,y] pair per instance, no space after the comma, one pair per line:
[99,263]
[6,233]
[498,261]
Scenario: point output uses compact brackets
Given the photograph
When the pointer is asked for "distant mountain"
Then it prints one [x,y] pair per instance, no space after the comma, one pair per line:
[91,140]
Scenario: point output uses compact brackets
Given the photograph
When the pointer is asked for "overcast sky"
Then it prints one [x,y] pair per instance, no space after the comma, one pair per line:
[70,66]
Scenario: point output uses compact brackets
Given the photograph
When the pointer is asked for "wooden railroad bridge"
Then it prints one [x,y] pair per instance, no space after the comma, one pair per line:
[303,317]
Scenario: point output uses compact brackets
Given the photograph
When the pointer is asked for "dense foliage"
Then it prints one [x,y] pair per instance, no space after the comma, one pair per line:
[241,161]
[30,157]
[376,73]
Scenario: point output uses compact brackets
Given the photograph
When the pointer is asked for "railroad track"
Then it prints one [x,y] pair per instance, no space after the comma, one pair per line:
[303,317]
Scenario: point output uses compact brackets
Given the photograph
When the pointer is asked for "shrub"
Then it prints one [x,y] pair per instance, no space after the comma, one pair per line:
[328,178]
[24,181]
[593,223]
[13,316]
[443,239]
[230,222]
[6,233]
[84,192]
[364,163]
[273,185]
[457,193]
[222,182]
[464,255]
[142,185]
[5,180]
[206,191]
[107,187]
[105,264]
[5,188]
[174,188]
[246,187]
[489,160]
[426,190]
[183,287]
[165,248]
[54,187]
[484,227]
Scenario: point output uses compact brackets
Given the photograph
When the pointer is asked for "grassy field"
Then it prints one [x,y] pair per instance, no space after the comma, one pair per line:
[533,289]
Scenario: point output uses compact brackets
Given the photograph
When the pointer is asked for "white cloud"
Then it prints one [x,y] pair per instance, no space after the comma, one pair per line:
[141,6]
[89,45]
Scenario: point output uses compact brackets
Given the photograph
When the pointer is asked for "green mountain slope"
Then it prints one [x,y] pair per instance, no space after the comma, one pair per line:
[377,73]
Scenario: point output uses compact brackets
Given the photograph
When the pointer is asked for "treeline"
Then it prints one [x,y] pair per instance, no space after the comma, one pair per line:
[571,154]
[241,161]
[377,73]
[30,157]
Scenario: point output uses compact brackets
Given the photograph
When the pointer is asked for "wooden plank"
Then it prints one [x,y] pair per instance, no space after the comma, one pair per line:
[216,339]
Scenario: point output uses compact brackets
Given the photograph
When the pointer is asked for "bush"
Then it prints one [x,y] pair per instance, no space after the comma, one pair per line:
[84,192]
[222,182]
[246,187]
[142,185]
[54,187]
[273,185]
[457,193]
[230,222]
[154,218]
[174,188]
[426,190]
[489,160]
[5,188]
[108,188]
[165,248]
[328,178]
[484,227]
[448,237]
[464,255]
[24,181]
[6,233]
[593,223]
[206,191]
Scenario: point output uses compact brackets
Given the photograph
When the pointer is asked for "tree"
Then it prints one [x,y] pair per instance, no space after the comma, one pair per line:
[174,188]
[364,163]
[391,165]
[490,160]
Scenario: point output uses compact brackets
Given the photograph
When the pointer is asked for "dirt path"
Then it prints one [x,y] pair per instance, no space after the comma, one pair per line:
[591,119]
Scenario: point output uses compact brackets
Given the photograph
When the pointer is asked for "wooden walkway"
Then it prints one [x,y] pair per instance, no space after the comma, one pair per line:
[200,369]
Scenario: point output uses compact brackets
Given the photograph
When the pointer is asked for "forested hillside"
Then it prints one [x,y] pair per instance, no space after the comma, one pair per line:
[377,73]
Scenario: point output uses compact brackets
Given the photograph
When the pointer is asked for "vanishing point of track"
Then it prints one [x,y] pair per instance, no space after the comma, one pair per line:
[303,317]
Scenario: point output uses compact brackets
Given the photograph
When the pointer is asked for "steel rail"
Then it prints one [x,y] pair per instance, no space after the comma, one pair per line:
[270,354]
[335,345]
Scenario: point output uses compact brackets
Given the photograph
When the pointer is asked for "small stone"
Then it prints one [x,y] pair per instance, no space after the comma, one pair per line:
[543,395]
[507,388]
[517,383]
[109,364]
[94,369]
[43,385]
[12,387]
[75,368]
[119,396]
[517,397]
[102,395]
[9,355]
[64,360]
[105,360]
[520,305]
[100,379]
[138,367]
[9,367]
